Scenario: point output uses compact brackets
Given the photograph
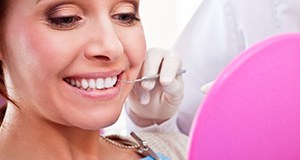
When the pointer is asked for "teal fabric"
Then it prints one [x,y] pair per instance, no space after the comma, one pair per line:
[162,157]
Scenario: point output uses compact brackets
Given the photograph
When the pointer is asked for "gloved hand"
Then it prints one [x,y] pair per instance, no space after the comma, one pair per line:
[157,100]
[206,88]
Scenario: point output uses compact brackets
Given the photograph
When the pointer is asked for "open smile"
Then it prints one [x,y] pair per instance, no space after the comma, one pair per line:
[90,84]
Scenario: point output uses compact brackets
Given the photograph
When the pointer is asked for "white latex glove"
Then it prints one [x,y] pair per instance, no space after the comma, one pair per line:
[206,88]
[157,99]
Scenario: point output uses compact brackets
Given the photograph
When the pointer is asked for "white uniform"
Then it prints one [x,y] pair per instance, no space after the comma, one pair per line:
[218,32]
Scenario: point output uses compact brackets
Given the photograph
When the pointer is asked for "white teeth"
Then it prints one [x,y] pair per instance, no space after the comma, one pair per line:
[90,84]
[100,83]
[115,79]
[78,84]
[108,82]
[84,84]
[73,82]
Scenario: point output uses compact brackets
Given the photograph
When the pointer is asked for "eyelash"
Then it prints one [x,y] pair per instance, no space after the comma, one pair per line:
[126,19]
[64,22]
[70,22]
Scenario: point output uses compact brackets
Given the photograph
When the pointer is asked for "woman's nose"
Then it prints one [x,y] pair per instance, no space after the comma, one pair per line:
[104,43]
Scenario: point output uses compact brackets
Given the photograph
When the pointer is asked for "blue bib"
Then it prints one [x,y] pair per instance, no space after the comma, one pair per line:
[162,157]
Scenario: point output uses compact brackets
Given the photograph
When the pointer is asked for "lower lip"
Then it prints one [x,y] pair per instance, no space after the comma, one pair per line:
[104,94]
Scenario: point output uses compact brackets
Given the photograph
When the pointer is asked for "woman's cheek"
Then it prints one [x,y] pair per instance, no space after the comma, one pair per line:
[50,50]
[135,48]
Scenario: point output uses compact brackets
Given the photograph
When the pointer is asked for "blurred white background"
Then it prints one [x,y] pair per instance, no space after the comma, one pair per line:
[163,21]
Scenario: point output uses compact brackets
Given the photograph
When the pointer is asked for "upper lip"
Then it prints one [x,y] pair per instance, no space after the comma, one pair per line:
[95,75]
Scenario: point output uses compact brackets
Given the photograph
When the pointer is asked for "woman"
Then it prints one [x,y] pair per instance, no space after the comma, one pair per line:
[61,65]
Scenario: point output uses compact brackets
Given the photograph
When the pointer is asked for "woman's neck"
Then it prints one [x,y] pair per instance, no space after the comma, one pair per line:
[26,138]
[29,138]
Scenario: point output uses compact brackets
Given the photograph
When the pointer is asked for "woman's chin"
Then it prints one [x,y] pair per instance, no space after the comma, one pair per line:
[95,122]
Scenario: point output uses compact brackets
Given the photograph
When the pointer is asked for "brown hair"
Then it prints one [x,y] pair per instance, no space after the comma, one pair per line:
[3,93]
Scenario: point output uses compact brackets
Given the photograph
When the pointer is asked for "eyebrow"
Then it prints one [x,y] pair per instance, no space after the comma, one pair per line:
[134,1]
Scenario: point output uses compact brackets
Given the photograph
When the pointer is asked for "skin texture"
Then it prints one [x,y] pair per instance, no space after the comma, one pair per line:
[98,39]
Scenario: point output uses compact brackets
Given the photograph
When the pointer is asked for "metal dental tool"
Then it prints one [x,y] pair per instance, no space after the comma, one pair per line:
[152,77]
[144,149]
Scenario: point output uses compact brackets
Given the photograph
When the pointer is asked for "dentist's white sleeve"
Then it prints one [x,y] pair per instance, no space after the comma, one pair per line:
[168,127]
[218,32]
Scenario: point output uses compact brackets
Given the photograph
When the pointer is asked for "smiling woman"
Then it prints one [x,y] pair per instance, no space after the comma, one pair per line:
[61,61]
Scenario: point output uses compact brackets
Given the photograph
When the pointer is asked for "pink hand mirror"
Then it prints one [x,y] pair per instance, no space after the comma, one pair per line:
[253,110]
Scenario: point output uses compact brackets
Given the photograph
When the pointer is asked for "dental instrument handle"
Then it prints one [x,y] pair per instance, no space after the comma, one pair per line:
[152,77]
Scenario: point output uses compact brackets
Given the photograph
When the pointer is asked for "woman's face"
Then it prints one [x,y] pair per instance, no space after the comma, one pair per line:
[62,58]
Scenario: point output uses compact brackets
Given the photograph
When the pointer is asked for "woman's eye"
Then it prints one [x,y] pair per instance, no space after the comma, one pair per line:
[127,19]
[64,22]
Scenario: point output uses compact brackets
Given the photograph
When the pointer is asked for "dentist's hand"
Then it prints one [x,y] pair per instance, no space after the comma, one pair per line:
[156,101]
[207,87]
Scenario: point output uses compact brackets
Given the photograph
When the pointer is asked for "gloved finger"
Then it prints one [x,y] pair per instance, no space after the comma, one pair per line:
[174,91]
[142,95]
[145,97]
[206,88]
[171,83]
[152,66]
[169,68]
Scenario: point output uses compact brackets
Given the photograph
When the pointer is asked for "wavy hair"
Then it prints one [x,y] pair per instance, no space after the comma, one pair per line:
[3,93]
